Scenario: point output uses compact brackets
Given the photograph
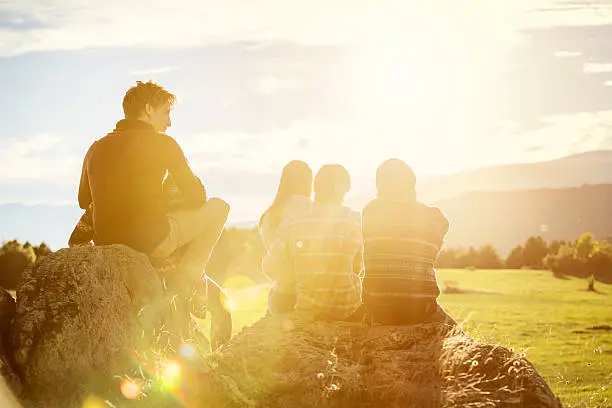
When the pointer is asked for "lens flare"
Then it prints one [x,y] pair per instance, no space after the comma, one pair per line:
[173,369]
[94,402]
[229,304]
[171,374]
[130,389]
[187,351]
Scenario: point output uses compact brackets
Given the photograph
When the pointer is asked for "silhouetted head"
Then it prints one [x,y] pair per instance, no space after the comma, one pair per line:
[395,180]
[296,179]
[331,183]
[150,103]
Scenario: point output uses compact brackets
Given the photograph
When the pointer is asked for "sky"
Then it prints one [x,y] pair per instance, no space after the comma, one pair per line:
[447,86]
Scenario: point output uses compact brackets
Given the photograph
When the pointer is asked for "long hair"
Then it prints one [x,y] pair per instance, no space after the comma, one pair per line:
[296,179]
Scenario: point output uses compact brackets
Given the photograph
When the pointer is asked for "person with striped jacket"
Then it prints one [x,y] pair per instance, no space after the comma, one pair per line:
[402,239]
[318,253]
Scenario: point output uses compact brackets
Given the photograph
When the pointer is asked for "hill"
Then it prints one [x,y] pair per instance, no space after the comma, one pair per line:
[593,167]
[499,204]
[507,218]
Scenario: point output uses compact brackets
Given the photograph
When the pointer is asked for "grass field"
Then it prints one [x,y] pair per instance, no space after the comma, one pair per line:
[548,319]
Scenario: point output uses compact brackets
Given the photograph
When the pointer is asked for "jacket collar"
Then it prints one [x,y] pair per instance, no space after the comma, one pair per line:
[133,124]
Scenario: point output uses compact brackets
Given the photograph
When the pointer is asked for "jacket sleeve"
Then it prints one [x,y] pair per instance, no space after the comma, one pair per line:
[188,183]
[358,266]
[443,224]
[276,264]
[84,190]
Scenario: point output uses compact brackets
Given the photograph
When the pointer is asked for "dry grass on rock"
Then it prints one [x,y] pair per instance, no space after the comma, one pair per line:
[293,361]
[81,314]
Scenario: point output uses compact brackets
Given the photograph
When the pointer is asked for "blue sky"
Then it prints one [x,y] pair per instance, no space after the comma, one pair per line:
[446,87]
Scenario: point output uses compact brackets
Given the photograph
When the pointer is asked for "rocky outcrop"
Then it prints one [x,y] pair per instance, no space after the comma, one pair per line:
[90,318]
[7,314]
[293,361]
[86,318]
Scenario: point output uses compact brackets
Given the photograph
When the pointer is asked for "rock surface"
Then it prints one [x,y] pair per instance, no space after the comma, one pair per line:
[293,361]
[89,317]
[85,317]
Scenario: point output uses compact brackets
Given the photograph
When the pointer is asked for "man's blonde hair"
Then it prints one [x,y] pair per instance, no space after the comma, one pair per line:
[143,93]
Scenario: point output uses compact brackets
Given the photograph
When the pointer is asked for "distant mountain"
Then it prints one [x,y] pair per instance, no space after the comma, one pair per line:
[501,205]
[38,222]
[507,218]
[572,171]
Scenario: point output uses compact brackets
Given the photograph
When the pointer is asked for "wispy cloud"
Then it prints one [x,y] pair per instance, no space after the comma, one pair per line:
[48,158]
[152,71]
[597,67]
[35,25]
[567,54]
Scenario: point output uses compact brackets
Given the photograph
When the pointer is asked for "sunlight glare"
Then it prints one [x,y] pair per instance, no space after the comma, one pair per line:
[229,304]
[130,389]
[430,86]
[187,351]
[171,374]
[94,402]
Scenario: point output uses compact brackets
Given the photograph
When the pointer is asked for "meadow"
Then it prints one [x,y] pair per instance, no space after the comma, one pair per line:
[565,331]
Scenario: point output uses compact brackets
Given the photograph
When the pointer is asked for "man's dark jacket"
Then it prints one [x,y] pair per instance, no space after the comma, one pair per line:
[123,175]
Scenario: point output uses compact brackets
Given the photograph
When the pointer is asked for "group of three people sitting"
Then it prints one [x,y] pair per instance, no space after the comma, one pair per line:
[336,263]
[318,252]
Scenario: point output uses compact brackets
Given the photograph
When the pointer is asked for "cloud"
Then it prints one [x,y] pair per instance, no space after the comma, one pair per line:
[38,25]
[606,144]
[567,54]
[152,71]
[47,158]
[597,67]
[563,135]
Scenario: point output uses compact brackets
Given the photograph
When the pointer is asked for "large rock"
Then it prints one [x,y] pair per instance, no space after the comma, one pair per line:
[7,314]
[86,317]
[294,361]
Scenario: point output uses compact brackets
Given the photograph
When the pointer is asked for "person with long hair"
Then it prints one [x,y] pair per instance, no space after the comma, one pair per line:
[292,198]
[294,190]
[318,253]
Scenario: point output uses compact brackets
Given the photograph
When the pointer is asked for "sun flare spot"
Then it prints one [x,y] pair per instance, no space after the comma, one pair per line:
[187,351]
[130,389]
[170,374]
[94,402]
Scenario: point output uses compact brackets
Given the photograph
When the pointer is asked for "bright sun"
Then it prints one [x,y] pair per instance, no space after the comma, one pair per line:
[421,94]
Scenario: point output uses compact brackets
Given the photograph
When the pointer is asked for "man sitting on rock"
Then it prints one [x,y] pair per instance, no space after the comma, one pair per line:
[318,253]
[122,179]
[402,238]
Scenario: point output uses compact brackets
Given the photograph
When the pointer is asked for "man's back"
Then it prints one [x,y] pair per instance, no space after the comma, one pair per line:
[123,174]
[401,242]
[325,248]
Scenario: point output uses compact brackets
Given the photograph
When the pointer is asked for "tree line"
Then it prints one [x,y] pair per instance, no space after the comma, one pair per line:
[239,253]
[15,257]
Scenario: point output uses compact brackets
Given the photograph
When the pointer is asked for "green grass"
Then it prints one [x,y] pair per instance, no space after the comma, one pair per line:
[546,318]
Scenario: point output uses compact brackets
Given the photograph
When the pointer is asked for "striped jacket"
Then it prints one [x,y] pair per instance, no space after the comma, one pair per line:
[402,240]
[318,254]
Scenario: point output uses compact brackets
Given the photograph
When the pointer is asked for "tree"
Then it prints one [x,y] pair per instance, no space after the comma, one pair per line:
[447,258]
[600,263]
[565,262]
[554,246]
[534,252]
[488,258]
[14,258]
[41,250]
[515,258]
[585,247]
[467,259]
